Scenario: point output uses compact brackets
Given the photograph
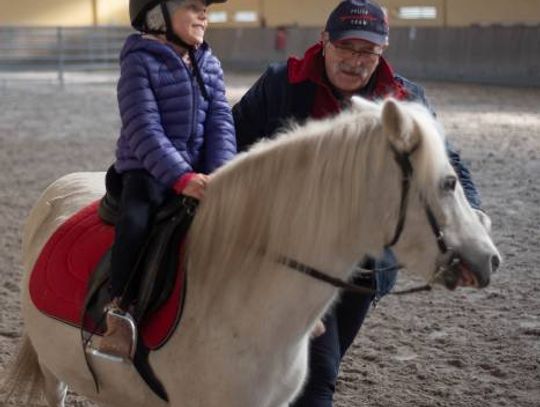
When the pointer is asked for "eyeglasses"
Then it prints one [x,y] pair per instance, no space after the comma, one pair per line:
[348,53]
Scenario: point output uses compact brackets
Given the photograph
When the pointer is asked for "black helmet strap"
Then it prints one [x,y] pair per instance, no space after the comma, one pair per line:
[170,34]
[175,39]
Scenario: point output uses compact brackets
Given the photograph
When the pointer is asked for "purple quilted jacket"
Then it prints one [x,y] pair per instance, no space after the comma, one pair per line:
[168,128]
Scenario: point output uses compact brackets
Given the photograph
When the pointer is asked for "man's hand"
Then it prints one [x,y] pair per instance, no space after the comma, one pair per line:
[318,329]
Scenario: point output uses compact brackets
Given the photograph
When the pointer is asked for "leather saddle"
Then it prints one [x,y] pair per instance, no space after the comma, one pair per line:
[153,279]
[155,271]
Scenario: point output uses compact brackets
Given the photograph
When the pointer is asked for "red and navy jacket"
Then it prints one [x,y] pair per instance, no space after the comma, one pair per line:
[298,90]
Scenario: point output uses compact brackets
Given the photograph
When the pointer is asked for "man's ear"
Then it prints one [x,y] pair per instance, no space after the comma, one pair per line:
[324,37]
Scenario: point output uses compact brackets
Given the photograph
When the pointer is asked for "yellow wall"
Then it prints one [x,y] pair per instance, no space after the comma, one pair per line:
[392,8]
[311,13]
[298,12]
[46,12]
[234,6]
[467,12]
[112,12]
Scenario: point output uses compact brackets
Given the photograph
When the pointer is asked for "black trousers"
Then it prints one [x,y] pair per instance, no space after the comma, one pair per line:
[140,197]
[342,323]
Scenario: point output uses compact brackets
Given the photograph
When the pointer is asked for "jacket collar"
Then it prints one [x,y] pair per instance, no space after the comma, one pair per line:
[311,68]
[139,42]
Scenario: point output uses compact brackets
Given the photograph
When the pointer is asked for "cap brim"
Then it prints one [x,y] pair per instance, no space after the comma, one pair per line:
[378,39]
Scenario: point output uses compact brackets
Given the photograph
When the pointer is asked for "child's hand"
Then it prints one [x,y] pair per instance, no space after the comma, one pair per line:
[317,330]
[196,186]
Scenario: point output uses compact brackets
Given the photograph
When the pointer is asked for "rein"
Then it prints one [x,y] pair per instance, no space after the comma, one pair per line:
[404,163]
[319,275]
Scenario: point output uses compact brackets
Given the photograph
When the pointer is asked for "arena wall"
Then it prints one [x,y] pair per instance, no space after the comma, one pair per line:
[274,13]
[495,55]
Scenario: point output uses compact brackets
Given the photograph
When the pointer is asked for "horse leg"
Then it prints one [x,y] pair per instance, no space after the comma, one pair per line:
[55,390]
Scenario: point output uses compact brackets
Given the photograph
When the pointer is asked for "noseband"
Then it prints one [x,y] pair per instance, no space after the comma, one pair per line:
[450,259]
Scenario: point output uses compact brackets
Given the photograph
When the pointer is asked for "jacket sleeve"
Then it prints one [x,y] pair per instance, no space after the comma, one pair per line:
[253,112]
[464,176]
[141,122]
[249,115]
[417,94]
[220,139]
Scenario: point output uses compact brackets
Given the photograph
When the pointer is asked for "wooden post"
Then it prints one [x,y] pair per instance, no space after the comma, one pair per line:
[445,13]
[94,13]
[262,15]
[60,50]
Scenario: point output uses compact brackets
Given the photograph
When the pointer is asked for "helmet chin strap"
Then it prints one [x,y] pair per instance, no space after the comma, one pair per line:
[170,34]
[175,39]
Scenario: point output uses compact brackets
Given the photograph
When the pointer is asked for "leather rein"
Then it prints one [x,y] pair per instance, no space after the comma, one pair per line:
[404,163]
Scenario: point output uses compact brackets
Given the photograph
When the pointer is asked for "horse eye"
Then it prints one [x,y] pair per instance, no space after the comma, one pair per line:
[449,183]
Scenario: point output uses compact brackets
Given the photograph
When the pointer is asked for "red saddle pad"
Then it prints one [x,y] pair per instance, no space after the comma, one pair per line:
[60,276]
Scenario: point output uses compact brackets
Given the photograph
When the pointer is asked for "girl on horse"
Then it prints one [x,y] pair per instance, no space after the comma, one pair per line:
[177,128]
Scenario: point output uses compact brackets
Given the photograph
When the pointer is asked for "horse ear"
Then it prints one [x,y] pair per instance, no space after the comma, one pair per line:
[399,127]
[359,104]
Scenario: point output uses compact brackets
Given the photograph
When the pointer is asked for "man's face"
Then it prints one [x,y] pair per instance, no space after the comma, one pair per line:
[350,63]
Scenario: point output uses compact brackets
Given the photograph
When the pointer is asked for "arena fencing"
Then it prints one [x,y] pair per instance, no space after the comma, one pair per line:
[40,50]
[489,55]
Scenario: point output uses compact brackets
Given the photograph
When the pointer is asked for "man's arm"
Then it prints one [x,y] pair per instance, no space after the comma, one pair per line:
[263,108]
[250,114]
[464,176]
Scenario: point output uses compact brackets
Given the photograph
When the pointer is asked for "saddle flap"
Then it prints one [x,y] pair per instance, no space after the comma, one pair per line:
[62,275]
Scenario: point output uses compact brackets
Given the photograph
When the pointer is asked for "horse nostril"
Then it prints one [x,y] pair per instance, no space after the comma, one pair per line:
[495,263]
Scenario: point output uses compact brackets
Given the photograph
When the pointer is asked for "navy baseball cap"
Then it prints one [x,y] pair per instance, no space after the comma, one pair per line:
[358,19]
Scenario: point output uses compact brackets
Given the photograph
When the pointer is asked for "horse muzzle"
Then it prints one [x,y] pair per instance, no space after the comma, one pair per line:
[455,271]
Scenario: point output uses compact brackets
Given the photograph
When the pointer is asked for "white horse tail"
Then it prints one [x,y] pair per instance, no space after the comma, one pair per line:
[24,376]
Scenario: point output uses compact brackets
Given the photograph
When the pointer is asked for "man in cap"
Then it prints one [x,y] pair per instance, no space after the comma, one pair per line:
[347,61]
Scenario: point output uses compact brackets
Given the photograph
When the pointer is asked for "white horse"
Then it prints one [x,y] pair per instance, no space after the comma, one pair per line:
[324,194]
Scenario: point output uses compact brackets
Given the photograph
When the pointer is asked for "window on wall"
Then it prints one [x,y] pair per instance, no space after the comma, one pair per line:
[246,16]
[417,13]
[217,17]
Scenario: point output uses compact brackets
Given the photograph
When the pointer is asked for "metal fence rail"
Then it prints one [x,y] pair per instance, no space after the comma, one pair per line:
[496,55]
[61,49]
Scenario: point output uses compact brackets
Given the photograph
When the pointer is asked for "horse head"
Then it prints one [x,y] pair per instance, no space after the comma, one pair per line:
[437,233]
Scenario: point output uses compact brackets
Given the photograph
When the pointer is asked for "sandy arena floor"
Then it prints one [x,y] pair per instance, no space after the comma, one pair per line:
[466,348]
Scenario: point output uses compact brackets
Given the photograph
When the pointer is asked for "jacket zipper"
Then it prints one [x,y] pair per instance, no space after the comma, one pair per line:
[193,99]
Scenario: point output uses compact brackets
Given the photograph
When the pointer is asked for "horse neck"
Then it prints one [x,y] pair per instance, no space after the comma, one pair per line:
[318,199]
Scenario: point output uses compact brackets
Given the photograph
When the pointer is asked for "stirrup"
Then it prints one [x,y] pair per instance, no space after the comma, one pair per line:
[119,342]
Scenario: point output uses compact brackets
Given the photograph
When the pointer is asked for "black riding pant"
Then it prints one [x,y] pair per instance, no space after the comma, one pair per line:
[141,196]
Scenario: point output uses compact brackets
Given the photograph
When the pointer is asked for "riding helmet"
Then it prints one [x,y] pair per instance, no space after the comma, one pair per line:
[138,9]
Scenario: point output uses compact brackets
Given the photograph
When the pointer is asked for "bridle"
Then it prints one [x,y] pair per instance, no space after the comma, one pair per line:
[448,256]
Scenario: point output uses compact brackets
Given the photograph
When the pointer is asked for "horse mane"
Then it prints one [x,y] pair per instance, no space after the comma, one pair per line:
[280,196]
